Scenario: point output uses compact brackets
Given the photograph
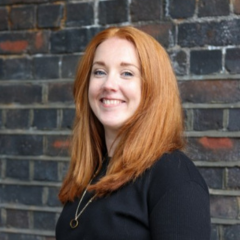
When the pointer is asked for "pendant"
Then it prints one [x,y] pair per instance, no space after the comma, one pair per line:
[73,223]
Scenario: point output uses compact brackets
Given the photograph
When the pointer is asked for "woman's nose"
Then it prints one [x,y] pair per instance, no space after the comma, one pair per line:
[110,82]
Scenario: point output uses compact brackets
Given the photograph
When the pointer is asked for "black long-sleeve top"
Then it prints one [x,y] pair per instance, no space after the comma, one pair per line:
[169,201]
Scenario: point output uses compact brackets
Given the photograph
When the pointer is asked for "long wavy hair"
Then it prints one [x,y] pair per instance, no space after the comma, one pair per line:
[155,128]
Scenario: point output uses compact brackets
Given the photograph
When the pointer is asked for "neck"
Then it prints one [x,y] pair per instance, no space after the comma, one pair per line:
[111,141]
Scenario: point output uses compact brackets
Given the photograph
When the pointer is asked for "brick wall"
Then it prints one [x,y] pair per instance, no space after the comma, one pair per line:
[40,44]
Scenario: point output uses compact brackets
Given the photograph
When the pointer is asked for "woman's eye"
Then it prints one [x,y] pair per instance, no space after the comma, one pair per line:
[127,74]
[99,72]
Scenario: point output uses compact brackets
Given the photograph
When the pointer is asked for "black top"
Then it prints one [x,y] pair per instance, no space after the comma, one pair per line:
[169,201]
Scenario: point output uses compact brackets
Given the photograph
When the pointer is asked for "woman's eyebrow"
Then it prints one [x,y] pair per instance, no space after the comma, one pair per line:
[99,63]
[125,64]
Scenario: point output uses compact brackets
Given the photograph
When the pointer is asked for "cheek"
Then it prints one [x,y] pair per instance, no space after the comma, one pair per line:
[90,94]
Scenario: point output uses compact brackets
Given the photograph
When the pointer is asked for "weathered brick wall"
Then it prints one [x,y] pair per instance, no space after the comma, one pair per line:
[40,44]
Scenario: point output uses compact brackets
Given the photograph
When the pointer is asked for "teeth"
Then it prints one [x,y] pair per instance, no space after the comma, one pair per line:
[111,102]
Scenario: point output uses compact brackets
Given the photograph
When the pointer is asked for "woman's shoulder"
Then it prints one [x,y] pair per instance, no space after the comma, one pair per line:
[172,171]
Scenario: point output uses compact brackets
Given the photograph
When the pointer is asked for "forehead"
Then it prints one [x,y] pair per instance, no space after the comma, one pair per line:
[116,48]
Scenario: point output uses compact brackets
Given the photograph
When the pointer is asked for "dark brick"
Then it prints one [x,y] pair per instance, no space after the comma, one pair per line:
[113,11]
[57,145]
[236,6]
[205,62]
[24,42]
[26,93]
[68,118]
[29,195]
[2,67]
[18,236]
[231,232]
[179,62]
[1,173]
[225,33]
[233,179]
[44,220]
[213,149]
[214,232]
[208,119]
[187,119]
[21,144]
[215,91]
[3,19]
[181,9]
[8,2]
[49,15]
[17,68]
[139,11]
[223,207]
[45,119]
[234,123]
[209,33]
[53,200]
[213,8]
[17,118]
[46,67]
[194,34]
[4,236]
[45,171]
[1,121]
[69,65]
[22,17]
[2,223]
[232,62]
[79,14]
[60,92]
[17,219]
[18,169]
[64,169]
[71,40]
[213,177]
[160,32]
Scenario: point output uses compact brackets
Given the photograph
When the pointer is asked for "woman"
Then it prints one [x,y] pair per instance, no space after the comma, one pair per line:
[128,178]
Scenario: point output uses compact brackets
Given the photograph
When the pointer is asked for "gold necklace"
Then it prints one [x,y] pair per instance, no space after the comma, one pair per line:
[74,221]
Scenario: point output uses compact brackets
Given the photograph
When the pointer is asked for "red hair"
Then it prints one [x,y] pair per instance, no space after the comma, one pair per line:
[155,128]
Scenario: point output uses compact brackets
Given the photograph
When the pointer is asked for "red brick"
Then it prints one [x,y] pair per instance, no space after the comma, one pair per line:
[210,91]
[14,46]
[224,207]
[160,31]
[236,6]
[24,42]
[213,149]
[216,143]
[57,145]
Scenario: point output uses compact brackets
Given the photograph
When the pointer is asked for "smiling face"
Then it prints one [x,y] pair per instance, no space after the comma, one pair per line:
[115,83]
